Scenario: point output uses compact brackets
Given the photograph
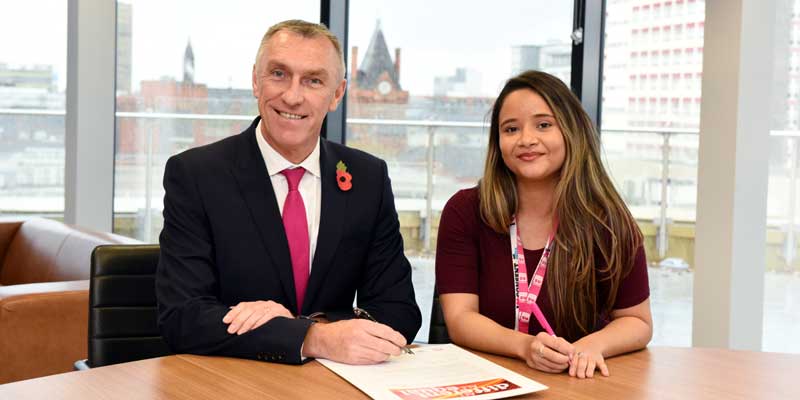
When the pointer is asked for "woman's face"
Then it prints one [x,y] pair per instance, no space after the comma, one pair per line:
[530,140]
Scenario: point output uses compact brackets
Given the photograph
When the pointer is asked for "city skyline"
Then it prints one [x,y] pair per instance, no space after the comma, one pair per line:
[160,31]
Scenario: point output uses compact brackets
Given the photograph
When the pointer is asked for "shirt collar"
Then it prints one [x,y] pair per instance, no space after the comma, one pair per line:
[277,163]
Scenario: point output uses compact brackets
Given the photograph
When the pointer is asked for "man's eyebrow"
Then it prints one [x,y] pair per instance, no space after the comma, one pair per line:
[318,72]
[275,64]
[312,72]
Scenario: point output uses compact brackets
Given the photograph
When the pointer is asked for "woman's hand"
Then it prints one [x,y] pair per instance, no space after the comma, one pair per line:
[547,353]
[586,359]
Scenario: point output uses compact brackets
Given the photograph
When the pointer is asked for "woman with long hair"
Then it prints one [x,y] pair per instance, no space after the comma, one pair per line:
[544,197]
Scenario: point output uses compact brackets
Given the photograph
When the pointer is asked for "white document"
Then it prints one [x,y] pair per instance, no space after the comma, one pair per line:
[435,372]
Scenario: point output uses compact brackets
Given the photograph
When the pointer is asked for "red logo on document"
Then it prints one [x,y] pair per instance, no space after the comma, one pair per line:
[455,391]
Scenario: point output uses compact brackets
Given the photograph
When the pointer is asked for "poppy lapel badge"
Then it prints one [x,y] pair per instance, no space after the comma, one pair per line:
[343,178]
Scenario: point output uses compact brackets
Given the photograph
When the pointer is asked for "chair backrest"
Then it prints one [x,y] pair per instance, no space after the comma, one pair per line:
[123,316]
[438,330]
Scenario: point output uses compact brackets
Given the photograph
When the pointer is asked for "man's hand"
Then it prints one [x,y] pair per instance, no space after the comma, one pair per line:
[249,315]
[355,341]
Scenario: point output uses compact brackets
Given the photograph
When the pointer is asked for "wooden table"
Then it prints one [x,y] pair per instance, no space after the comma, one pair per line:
[655,373]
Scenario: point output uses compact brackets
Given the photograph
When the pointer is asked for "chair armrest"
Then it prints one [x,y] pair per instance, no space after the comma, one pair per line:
[17,293]
[44,328]
[8,228]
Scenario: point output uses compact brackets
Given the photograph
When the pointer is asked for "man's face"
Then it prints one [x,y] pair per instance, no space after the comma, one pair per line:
[297,81]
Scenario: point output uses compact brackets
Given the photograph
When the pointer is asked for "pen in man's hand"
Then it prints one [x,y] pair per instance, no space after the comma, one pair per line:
[363,314]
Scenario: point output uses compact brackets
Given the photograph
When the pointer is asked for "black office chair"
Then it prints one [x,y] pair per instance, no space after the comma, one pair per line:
[122,306]
[438,330]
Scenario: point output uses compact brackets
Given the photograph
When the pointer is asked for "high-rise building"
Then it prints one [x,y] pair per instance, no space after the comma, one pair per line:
[124,49]
[30,86]
[39,77]
[466,82]
[653,64]
[553,58]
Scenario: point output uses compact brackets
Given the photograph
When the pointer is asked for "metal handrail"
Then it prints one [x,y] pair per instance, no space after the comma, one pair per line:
[664,132]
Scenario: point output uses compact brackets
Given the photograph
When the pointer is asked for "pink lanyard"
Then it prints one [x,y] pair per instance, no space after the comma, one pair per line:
[526,294]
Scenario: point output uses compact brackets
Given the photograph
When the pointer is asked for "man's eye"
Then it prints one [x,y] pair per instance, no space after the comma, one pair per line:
[277,73]
[315,81]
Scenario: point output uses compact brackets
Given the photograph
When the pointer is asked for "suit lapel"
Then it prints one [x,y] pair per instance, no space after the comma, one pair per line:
[252,177]
[332,213]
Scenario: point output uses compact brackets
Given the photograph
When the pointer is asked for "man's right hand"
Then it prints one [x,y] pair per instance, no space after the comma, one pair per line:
[355,341]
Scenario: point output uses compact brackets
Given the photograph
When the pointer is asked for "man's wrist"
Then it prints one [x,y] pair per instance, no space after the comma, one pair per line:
[313,341]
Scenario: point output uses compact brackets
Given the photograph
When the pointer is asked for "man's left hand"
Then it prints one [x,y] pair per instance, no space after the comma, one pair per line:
[249,315]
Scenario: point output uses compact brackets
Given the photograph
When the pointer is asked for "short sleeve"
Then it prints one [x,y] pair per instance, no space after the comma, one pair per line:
[634,288]
[457,247]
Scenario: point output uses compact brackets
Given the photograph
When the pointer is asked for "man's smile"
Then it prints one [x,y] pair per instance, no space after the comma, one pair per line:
[289,115]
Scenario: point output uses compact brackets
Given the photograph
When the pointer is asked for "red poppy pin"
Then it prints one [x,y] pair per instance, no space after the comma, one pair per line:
[343,178]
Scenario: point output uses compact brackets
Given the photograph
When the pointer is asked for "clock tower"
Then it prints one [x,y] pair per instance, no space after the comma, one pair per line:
[377,79]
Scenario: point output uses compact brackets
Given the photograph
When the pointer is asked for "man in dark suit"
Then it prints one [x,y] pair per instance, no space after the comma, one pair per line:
[267,227]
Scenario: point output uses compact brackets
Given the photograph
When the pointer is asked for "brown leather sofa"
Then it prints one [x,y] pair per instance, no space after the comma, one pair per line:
[44,297]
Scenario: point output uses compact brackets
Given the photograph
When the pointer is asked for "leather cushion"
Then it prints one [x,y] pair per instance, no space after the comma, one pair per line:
[44,328]
[44,250]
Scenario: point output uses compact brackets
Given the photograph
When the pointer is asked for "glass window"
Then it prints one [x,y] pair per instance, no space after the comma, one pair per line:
[678,32]
[782,275]
[181,84]
[657,154]
[419,94]
[33,79]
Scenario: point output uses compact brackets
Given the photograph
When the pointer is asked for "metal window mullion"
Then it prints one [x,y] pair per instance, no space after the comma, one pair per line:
[89,121]
[587,55]
[334,14]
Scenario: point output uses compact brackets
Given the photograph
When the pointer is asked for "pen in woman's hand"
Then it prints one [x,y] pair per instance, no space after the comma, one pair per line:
[363,314]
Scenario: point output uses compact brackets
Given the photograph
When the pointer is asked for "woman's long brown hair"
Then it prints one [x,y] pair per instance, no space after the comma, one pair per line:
[597,237]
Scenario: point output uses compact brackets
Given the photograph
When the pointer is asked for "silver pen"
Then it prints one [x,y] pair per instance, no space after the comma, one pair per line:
[363,314]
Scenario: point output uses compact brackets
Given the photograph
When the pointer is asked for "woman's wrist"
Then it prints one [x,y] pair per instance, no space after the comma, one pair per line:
[523,346]
[591,343]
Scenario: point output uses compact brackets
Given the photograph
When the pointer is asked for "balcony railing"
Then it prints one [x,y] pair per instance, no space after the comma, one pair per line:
[654,146]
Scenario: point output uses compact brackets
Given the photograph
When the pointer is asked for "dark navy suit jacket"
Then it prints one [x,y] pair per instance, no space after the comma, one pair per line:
[223,242]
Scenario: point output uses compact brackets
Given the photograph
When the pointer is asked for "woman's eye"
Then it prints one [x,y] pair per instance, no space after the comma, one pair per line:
[510,129]
[544,125]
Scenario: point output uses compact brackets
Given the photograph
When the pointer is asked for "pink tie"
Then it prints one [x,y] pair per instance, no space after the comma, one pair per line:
[296,227]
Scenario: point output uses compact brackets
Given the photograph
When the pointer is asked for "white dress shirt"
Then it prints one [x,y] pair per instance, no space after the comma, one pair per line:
[310,186]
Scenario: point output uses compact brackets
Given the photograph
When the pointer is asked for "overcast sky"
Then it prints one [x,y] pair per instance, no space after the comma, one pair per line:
[436,37]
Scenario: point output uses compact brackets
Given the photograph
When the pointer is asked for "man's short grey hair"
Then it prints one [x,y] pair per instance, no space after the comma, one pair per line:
[307,30]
